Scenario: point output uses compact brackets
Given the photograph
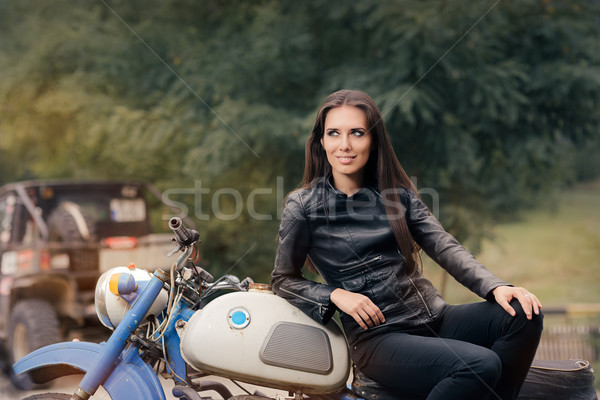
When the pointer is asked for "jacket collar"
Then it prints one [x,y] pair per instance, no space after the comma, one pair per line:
[328,183]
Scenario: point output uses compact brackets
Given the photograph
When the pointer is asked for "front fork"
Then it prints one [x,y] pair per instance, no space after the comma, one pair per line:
[118,340]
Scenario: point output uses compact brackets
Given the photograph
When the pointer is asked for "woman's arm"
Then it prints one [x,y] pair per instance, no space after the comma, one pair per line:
[287,280]
[446,251]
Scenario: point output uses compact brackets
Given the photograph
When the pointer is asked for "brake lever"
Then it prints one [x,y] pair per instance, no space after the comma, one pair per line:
[175,250]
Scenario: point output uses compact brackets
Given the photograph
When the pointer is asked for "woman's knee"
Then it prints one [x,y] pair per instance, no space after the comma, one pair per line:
[533,326]
[487,368]
[492,366]
[536,324]
[476,364]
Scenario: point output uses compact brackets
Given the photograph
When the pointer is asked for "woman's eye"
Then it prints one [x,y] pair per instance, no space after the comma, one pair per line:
[333,133]
[358,133]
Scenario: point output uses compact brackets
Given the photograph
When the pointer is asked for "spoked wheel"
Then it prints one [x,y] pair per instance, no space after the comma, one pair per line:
[101,394]
[249,397]
[49,396]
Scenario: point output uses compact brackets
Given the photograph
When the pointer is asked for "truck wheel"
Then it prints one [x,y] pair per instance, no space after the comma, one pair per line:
[33,324]
[68,223]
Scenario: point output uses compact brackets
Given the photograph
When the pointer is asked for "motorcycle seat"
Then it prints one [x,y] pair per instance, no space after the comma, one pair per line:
[369,389]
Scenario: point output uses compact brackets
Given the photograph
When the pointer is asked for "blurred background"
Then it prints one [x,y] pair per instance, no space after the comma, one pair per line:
[492,106]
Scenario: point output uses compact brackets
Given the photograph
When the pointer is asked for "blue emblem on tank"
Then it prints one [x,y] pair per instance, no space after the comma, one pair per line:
[238,318]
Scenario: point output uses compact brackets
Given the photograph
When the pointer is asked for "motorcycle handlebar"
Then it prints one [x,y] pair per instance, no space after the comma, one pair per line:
[183,235]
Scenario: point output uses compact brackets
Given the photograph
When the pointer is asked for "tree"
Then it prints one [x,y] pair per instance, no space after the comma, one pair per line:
[489,105]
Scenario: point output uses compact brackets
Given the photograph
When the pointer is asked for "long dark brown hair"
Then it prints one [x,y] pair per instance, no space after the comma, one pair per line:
[382,169]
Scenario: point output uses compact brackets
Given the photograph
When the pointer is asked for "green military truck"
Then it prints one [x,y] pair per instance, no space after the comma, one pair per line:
[56,238]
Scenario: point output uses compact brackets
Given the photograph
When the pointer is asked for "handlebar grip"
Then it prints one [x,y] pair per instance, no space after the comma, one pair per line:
[183,235]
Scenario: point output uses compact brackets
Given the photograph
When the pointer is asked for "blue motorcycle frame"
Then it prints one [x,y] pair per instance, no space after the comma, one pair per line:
[118,364]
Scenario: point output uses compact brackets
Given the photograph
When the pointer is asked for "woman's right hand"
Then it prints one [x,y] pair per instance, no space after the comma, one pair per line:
[359,307]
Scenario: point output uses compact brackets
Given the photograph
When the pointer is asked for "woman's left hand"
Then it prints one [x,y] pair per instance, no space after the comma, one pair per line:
[529,302]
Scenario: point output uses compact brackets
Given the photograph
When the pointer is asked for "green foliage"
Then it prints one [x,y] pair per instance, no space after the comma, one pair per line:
[492,106]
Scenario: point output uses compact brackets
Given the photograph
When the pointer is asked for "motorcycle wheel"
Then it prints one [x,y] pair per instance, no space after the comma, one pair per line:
[249,397]
[102,395]
[49,396]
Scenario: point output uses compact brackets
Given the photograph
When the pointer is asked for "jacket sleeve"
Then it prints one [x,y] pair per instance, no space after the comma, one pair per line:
[445,250]
[287,280]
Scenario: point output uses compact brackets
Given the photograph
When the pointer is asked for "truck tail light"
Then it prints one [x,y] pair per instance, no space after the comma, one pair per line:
[44,260]
[121,242]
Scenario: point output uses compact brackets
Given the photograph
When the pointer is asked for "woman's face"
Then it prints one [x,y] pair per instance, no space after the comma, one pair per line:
[347,143]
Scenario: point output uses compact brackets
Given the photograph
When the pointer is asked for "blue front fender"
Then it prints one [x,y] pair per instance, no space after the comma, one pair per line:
[131,378]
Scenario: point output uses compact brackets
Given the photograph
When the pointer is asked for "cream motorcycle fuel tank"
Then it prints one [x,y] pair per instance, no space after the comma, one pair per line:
[260,338]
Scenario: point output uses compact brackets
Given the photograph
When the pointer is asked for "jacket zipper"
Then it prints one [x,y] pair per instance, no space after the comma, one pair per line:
[421,296]
[362,264]
[304,298]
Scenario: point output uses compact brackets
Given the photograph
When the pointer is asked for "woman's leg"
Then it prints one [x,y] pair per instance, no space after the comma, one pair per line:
[429,366]
[513,339]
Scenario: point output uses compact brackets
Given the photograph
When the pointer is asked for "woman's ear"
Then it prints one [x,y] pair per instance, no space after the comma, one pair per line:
[322,142]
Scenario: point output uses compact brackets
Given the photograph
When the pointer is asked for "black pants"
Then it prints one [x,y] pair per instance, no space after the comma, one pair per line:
[476,351]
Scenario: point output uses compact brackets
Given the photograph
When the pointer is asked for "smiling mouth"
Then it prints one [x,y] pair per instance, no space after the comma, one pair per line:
[344,160]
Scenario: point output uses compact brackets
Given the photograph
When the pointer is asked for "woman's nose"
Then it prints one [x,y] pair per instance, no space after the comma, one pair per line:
[345,143]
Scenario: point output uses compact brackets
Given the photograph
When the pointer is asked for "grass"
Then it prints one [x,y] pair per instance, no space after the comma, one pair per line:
[553,252]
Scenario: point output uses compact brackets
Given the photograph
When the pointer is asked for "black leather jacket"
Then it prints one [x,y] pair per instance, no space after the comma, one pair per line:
[351,244]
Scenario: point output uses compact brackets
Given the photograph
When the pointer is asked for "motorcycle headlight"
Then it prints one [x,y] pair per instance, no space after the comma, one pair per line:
[114,285]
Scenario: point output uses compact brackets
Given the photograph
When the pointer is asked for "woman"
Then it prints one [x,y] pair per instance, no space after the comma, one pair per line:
[359,222]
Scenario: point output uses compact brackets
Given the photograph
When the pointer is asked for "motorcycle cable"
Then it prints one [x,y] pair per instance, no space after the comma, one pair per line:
[195,256]
[163,325]
[166,358]
[211,290]
[162,328]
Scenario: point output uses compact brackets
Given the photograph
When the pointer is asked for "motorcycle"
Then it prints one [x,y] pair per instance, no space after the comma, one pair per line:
[184,325]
